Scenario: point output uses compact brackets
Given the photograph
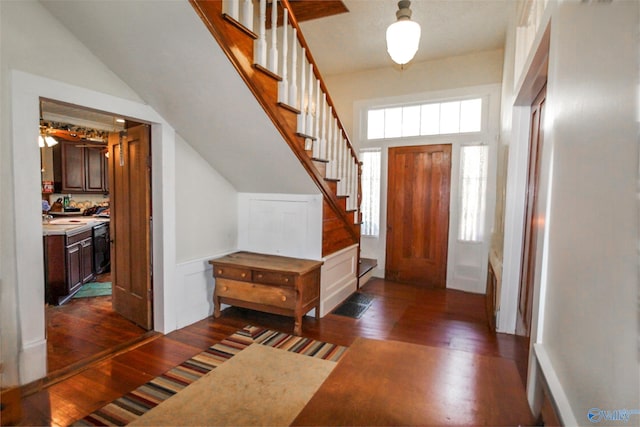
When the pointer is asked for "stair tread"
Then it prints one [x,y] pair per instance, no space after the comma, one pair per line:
[288,107]
[366,265]
[268,72]
[239,25]
[303,135]
[316,159]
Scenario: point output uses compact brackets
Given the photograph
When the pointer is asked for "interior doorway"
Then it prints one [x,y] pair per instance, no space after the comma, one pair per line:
[82,329]
[418,214]
[531,225]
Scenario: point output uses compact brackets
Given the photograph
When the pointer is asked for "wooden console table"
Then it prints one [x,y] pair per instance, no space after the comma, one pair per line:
[270,283]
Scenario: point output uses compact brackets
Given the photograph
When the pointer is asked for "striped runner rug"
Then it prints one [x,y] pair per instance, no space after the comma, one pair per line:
[134,404]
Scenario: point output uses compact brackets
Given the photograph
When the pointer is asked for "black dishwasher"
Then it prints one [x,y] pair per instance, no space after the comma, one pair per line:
[101,248]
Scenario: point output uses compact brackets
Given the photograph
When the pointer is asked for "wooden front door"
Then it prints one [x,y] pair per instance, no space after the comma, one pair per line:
[531,226]
[130,197]
[418,214]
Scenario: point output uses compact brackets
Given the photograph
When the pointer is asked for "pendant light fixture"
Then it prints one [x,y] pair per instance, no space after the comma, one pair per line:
[403,36]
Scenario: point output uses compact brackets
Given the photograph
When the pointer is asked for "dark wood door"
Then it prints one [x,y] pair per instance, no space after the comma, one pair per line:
[418,214]
[531,226]
[130,196]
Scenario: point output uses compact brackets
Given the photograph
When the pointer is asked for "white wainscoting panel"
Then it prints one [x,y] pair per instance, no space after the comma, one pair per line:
[339,278]
[194,291]
[281,224]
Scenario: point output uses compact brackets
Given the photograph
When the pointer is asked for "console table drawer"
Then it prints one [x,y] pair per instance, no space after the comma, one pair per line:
[272,278]
[260,294]
[233,273]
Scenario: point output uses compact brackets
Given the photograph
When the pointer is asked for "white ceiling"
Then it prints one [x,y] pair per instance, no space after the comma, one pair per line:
[355,40]
[164,53]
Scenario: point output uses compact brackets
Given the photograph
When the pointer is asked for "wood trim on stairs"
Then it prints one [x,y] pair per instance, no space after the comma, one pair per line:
[237,44]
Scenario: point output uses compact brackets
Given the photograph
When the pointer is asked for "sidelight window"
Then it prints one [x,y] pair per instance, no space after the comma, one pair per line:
[370,159]
[473,186]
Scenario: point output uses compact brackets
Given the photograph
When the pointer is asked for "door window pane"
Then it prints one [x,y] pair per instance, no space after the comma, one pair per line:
[450,117]
[393,122]
[430,120]
[411,121]
[375,124]
[470,115]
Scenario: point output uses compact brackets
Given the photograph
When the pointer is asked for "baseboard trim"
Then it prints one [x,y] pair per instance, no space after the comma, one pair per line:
[557,395]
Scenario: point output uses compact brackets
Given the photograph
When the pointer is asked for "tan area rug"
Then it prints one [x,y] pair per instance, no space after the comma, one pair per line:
[259,386]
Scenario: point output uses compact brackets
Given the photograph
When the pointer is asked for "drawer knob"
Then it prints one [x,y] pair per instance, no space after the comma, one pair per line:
[259,276]
[243,275]
[219,271]
[286,280]
[284,298]
[225,288]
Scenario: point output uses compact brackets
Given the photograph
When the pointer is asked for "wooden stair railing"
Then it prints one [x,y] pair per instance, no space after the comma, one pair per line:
[280,71]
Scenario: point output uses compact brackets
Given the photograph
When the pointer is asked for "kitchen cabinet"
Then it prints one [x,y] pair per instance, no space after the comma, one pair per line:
[79,169]
[68,264]
[270,283]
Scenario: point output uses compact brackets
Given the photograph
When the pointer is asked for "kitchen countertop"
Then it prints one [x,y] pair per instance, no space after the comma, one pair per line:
[70,226]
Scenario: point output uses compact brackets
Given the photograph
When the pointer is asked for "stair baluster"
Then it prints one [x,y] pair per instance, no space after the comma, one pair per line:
[261,42]
[283,86]
[293,89]
[273,52]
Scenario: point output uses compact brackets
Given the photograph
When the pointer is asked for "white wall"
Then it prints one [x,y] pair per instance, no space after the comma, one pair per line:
[35,44]
[591,306]
[449,73]
[585,314]
[206,207]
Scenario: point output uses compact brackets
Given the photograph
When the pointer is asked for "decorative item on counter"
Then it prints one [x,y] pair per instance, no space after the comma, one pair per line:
[45,206]
[57,206]
[47,187]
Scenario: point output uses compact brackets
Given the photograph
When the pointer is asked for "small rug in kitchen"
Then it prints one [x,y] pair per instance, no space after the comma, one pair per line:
[94,289]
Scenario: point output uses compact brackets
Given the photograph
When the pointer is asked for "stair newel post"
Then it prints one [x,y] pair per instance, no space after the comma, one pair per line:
[283,90]
[310,103]
[247,14]
[323,141]
[356,191]
[339,163]
[343,166]
[316,126]
[329,142]
[347,189]
[348,181]
[301,116]
[293,90]
[352,197]
[261,50]
[334,149]
[273,52]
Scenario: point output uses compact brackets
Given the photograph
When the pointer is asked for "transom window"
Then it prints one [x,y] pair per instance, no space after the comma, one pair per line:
[425,119]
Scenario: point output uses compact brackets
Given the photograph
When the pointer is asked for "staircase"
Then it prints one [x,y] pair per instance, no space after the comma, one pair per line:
[265,45]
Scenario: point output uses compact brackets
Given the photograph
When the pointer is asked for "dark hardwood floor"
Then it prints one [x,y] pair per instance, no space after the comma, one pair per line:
[85,328]
[409,313]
